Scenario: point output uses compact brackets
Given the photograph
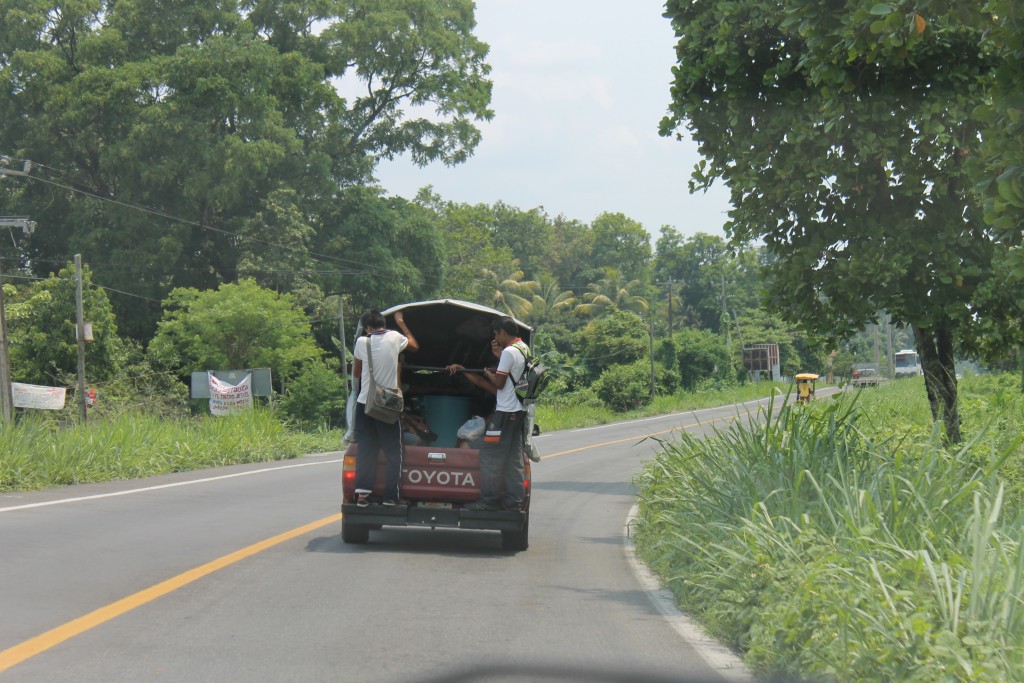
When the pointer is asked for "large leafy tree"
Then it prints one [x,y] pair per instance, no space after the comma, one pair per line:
[525,234]
[1000,170]
[616,338]
[384,250]
[162,129]
[707,276]
[41,324]
[236,326]
[621,242]
[842,132]
[468,248]
[570,256]
[1002,162]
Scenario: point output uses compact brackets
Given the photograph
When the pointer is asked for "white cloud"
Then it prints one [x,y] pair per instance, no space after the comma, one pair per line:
[579,89]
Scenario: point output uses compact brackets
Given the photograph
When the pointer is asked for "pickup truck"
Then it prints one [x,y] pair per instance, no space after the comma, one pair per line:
[440,469]
[866,376]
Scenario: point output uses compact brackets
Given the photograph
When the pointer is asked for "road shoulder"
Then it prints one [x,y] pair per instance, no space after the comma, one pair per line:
[719,657]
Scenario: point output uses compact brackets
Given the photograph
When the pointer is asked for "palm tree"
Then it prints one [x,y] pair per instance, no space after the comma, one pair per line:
[549,299]
[508,291]
[611,292]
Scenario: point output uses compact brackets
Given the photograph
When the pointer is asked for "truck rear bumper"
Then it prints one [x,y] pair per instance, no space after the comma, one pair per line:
[451,518]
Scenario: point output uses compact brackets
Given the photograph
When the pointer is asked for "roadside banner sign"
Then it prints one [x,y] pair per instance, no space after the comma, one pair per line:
[261,386]
[227,398]
[35,396]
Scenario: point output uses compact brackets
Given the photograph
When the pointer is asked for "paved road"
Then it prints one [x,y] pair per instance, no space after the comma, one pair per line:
[239,574]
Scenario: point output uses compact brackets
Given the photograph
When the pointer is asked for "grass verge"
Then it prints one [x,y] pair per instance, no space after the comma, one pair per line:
[37,454]
[843,541]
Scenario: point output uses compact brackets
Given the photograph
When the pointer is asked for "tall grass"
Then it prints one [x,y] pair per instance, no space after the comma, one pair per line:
[828,543]
[37,454]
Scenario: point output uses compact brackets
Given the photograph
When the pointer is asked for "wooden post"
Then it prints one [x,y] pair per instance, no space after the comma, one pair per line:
[6,395]
[80,333]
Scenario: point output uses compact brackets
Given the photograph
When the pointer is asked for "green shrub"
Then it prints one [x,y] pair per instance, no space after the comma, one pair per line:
[700,355]
[315,398]
[625,387]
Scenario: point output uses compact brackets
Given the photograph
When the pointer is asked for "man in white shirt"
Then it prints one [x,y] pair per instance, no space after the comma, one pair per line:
[502,472]
[372,435]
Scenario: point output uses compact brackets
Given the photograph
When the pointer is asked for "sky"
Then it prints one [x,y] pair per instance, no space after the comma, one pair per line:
[580,87]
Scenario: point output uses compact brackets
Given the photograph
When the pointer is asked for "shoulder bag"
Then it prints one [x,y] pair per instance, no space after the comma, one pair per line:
[382,403]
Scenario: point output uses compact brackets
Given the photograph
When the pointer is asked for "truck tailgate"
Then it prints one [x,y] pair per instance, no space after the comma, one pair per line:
[440,474]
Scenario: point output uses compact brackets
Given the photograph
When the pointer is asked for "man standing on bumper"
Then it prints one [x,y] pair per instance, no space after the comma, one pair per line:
[373,435]
[501,458]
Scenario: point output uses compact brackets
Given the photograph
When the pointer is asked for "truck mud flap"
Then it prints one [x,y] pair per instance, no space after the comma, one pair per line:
[375,514]
[401,515]
[501,520]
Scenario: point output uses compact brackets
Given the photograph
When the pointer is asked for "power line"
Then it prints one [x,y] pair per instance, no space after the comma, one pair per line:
[316,256]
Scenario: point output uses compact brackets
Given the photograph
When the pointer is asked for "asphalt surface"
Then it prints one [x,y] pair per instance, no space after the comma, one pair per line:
[240,574]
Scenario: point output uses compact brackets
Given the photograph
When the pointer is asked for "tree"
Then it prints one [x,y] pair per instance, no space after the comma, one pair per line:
[234,327]
[621,242]
[843,134]
[616,338]
[697,355]
[706,275]
[41,325]
[291,270]
[524,234]
[385,250]
[162,128]
[570,256]
[507,289]
[549,302]
[467,245]
[612,292]
[1000,169]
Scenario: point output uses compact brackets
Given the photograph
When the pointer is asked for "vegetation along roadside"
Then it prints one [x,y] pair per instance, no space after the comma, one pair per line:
[845,541]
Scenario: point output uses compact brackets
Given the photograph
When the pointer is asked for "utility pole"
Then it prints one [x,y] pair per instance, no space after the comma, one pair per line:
[6,393]
[25,169]
[344,348]
[670,282]
[80,333]
[888,341]
[651,337]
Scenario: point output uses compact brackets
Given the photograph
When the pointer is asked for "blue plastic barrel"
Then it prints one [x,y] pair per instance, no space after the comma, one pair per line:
[444,416]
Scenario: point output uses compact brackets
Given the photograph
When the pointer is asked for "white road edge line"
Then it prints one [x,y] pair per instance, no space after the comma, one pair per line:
[664,415]
[164,486]
[719,657]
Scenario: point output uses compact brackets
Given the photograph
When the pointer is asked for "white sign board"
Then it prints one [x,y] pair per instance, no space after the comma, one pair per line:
[34,396]
[227,398]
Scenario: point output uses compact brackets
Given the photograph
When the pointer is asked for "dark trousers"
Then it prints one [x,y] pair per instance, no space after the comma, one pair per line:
[501,465]
[373,436]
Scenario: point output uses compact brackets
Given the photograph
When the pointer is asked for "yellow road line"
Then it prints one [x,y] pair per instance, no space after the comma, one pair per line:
[30,648]
[44,641]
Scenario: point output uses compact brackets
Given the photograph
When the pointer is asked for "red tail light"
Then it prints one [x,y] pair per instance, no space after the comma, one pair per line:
[348,469]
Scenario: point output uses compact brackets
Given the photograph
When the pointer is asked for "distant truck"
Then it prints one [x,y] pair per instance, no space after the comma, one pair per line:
[906,363]
[440,465]
[866,375]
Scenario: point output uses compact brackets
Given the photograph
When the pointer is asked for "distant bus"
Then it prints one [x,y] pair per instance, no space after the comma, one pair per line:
[906,363]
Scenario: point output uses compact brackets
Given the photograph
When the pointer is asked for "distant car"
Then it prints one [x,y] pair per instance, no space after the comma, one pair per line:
[866,376]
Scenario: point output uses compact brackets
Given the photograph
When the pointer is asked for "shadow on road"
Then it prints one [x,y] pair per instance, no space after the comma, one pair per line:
[416,541]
